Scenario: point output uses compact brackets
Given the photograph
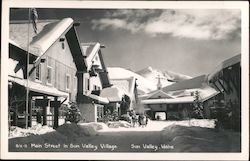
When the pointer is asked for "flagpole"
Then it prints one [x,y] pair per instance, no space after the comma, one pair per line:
[27,76]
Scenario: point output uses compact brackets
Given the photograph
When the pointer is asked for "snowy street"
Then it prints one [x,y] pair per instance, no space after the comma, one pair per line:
[158,136]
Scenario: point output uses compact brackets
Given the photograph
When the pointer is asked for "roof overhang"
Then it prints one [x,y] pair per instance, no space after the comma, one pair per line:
[113,94]
[90,98]
[38,87]
[169,101]
[225,64]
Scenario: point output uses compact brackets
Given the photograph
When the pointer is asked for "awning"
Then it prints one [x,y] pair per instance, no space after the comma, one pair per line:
[38,87]
[113,94]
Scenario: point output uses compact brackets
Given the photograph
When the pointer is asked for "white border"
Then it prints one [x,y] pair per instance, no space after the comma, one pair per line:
[119,5]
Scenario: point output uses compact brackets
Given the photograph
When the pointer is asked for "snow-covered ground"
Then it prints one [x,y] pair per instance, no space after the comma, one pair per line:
[160,125]
[34,130]
[158,136]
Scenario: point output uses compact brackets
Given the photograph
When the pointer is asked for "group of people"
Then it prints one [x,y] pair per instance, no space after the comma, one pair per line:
[141,120]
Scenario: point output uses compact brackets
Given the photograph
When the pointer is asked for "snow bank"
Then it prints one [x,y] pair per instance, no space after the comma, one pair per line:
[74,130]
[118,124]
[96,125]
[207,123]
[34,130]
[65,130]
[195,139]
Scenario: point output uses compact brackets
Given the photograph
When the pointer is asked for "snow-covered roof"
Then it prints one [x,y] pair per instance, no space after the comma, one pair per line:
[227,63]
[205,93]
[154,94]
[196,82]
[22,34]
[113,94]
[121,87]
[100,99]
[38,87]
[188,99]
[125,85]
[90,50]
[144,85]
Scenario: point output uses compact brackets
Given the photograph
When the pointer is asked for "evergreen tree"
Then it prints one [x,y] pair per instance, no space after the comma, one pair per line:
[197,106]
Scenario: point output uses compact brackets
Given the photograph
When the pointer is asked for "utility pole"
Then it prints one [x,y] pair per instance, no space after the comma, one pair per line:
[27,76]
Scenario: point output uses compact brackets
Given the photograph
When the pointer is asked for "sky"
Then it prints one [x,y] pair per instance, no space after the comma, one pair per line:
[186,41]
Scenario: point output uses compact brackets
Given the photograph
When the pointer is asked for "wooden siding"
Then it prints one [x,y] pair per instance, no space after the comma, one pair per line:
[61,63]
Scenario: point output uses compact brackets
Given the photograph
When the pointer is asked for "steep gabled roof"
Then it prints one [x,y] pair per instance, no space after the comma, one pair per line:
[123,86]
[205,94]
[196,82]
[90,50]
[227,63]
[126,85]
[49,31]
[158,94]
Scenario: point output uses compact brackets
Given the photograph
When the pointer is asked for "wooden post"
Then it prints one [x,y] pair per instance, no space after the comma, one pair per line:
[43,103]
[30,112]
[44,115]
[56,104]
[15,116]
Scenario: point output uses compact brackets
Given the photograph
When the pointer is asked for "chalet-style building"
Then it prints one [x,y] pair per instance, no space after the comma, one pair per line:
[55,58]
[176,100]
[122,96]
[227,79]
[58,71]
[91,82]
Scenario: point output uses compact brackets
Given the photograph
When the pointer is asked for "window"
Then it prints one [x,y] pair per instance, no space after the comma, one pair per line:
[49,71]
[75,83]
[95,87]
[86,84]
[38,72]
[62,40]
[67,82]
[49,75]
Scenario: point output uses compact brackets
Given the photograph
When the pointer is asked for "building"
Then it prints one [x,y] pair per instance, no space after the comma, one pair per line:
[122,96]
[227,79]
[91,82]
[177,100]
[55,59]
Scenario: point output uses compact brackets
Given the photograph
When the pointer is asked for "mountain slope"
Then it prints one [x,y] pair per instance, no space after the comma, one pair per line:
[167,77]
